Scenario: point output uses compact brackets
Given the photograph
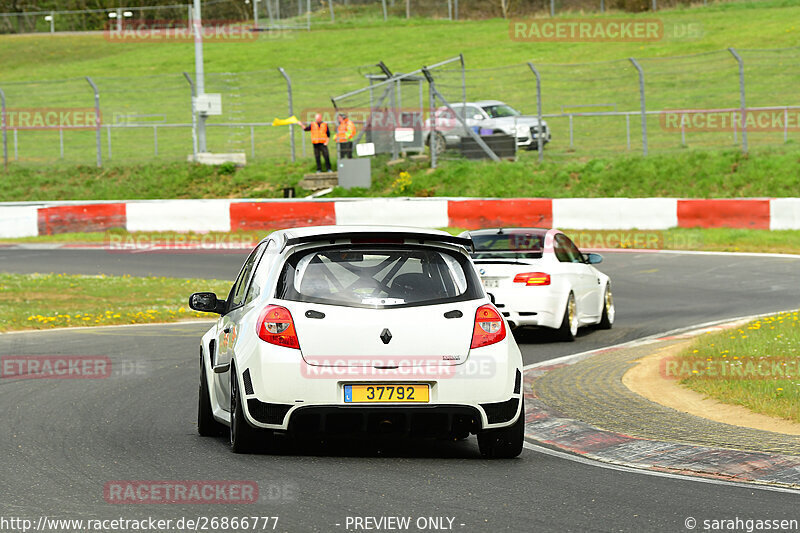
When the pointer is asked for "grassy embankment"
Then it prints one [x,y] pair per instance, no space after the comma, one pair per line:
[756,366]
[44,301]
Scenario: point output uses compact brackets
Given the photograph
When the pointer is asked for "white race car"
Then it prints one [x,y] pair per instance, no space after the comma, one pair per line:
[359,330]
[538,277]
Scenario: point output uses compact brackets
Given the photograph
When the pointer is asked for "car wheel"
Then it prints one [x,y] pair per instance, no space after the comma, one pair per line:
[609,311]
[207,426]
[503,443]
[242,434]
[569,324]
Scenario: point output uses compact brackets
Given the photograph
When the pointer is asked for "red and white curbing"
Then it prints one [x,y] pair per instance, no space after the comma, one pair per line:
[32,219]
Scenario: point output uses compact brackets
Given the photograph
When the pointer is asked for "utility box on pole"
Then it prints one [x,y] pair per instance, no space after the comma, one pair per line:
[209,104]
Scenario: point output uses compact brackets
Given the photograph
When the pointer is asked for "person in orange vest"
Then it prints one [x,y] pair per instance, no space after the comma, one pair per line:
[320,135]
[345,134]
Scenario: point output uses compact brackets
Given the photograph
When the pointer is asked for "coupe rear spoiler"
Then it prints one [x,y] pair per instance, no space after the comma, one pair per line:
[379,237]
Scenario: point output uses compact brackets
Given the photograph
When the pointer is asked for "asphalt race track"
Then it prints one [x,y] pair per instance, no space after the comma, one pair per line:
[65,439]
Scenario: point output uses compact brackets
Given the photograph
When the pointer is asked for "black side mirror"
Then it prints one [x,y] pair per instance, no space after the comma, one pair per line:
[593,259]
[207,302]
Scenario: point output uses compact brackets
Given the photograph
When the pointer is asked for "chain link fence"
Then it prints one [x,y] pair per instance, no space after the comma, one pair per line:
[305,14]
[690,102]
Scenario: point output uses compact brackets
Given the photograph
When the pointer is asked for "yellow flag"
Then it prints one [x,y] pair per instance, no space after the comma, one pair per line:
[285,121]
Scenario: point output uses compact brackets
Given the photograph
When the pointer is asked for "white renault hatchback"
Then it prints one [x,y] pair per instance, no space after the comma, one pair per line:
[359,330]
[538,277]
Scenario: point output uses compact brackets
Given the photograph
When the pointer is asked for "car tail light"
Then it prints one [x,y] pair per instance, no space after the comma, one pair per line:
[533,278]
[275,326]
[489,327]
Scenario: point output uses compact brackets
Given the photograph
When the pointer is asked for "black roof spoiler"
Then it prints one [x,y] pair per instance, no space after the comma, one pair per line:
[378,236]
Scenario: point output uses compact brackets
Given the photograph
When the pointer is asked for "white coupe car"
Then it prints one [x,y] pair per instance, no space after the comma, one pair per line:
[332,330]
[538,277]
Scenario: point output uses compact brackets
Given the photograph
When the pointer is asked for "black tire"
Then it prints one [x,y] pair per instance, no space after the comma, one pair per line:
[568,329]
[609,311]
[503,443]
[243,436]
[207,426]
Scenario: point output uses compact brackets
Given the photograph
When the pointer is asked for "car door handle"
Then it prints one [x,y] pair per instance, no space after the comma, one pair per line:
[314,314]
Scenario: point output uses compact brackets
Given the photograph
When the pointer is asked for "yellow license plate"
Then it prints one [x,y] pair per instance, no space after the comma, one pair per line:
[386,393]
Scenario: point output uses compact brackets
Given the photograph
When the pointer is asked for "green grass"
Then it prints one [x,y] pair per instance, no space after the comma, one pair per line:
[692,174]
[705,239]
[760,361]
[331,61]
[44,301]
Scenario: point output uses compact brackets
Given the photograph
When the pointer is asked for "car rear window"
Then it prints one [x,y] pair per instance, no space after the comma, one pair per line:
[378,277]
[508,245]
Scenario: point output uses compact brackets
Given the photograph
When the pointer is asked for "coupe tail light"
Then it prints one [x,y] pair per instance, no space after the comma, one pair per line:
[533,278]
[275,326]
[489,327]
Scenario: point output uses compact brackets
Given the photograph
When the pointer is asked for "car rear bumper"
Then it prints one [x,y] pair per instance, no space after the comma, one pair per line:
[529,306]
[294,396]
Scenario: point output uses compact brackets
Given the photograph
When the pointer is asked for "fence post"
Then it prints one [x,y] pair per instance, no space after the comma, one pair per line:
[194,118]
[385,13]
[61,142]
[540,146]
[459,118]
[4,126]
[108,138]
[199,73]
[455,9]
[432,139]
[96,120]
[552,8]
[602,6]
[408,9]
[644,106]
[655,6]
[463,81]
[291,109]
[740,61]
[330,8]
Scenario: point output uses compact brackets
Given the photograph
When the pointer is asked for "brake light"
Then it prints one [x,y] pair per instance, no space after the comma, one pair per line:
[489,327]
[533,278]
[275,326]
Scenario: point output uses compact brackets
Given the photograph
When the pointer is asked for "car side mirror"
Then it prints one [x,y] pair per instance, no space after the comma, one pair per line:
[207,302]
[594,259]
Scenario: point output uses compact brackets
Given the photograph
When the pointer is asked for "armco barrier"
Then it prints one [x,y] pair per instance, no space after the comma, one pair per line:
[733,213]
[24,220]
[271,215]
[81,218]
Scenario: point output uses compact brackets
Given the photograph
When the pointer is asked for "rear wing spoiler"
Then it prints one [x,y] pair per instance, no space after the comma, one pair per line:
[380,237]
